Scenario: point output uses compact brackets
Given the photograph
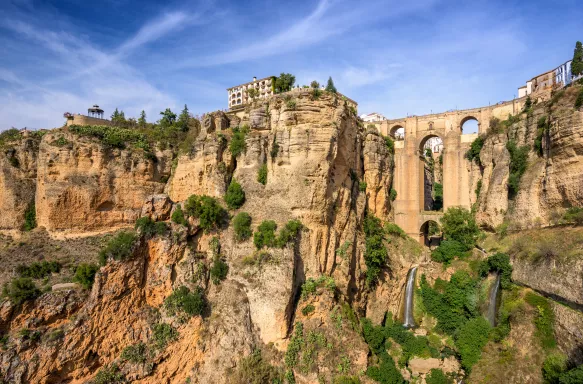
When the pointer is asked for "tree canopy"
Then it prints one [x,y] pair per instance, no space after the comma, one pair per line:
[284,82]
[577,64]
[330,87]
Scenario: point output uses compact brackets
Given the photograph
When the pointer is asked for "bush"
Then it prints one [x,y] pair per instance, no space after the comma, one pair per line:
[206,209]
[448,250]
[291,104]
[147,227]
[235,196]
[436,376]
[134,353]
[38,270]
[386,372]
[262,174]
[265,234]
[254,370]
[310,286]
[579,101]
[219,270]
[362,186]
[112,136]
[308,309]
[346,380]
[118,248]
[459,224]
[390,144]
[242,226]
[9,135]
[518,164]
[574,376]
[574,215]
[85,275]
[554,365]
[393,194]
[184,301]
[20,290]
[163,334]
[178,216]
[394,230]
[544,321]
[475,148]
[316,93]
[29,218]
[500,263]
[375,254]
[237,144]
[288,233]
[109,374]
[470,340]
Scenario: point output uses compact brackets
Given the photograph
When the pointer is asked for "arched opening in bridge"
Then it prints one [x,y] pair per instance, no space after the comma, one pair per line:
[470,124]
[430,234]
[397,133]
[431,173]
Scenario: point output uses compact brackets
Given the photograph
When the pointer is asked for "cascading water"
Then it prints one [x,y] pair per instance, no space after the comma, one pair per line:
[409,322]
[491,315]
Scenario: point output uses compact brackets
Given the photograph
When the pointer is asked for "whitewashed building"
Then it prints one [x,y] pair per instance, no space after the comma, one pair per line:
[239,96]
[372,117]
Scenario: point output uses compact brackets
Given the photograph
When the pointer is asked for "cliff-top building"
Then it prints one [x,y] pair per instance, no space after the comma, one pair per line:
[239,96]
[558,77]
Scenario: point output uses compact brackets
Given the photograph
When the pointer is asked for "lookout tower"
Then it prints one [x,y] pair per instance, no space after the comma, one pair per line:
[95,111]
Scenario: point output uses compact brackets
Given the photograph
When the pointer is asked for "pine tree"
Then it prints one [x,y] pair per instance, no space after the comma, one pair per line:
[183,119]
[115,115]
[168,118]
[330,85]
[142,119]
[577,64]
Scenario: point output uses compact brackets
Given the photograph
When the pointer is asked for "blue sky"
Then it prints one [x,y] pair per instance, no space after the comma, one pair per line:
[393,57]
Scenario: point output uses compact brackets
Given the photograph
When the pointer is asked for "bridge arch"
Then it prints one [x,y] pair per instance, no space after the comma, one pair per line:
[397,132]
[430,233]
[431,170]
[469,124]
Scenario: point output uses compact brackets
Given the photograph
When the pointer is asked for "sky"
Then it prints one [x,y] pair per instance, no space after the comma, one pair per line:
[393,57]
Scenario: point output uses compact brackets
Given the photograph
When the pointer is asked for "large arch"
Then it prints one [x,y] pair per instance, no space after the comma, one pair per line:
[431,168]
[397,132]
[471,128]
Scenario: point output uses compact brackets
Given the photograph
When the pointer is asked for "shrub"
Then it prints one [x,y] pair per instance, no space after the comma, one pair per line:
[109,374]
[112,136]
[437,197]
[390,144]
[235,196]
[29,218]
[316,93]
[9,135]
[242,226]
[288,233]
[436,376]
[470,340]
[254,370]
[184,301]
[459,224]
[500,263]
[265,234]
[237,144]
[206,209]
[118,248]
[291,104]
[262,174]
[475,148]
[448,250]
[85,275]
[308,309]
[134,353]
[386,372]
[394,230]
[341,251]
[393,194]
[294,346]
[148,227]
[163,334]
[20,290]
[219,270]
[274,149]
[574,215]
[310,286]
[544,321]
[574,376]
[375,254]
[346,380]
[38,270]
[178,216]
[362,186]
[518,164]
[554,365]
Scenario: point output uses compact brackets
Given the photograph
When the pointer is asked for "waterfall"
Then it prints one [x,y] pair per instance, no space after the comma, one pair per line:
[491,315]
[409,322]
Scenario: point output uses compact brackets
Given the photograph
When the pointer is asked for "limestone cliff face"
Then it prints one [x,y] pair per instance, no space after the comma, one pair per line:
[17,181]
[378,174]
[552,181]
[83,185]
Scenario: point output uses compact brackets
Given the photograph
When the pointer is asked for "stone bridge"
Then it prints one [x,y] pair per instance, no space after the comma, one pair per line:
[458,188]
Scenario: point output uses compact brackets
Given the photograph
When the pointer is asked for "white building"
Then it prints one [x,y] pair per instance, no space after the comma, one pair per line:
[372,117]
[239,96]
[563,74]
[558,77]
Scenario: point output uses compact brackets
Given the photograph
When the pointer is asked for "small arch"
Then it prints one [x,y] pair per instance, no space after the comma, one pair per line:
[430,233]
[397,132]
[469,124]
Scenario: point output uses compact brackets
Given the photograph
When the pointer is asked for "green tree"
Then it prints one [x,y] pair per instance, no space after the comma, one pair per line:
[470,340]
[183,119]
[265,234]
[242,226]
[20,290]
[142,119]
[315,84]
[235,196]
[330,85]
[168,118]
[577,64]
[436,376]
[459,224]
[205,208]
[85,274]
[118,117]
[284,82]
[262,174]
[178,216]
